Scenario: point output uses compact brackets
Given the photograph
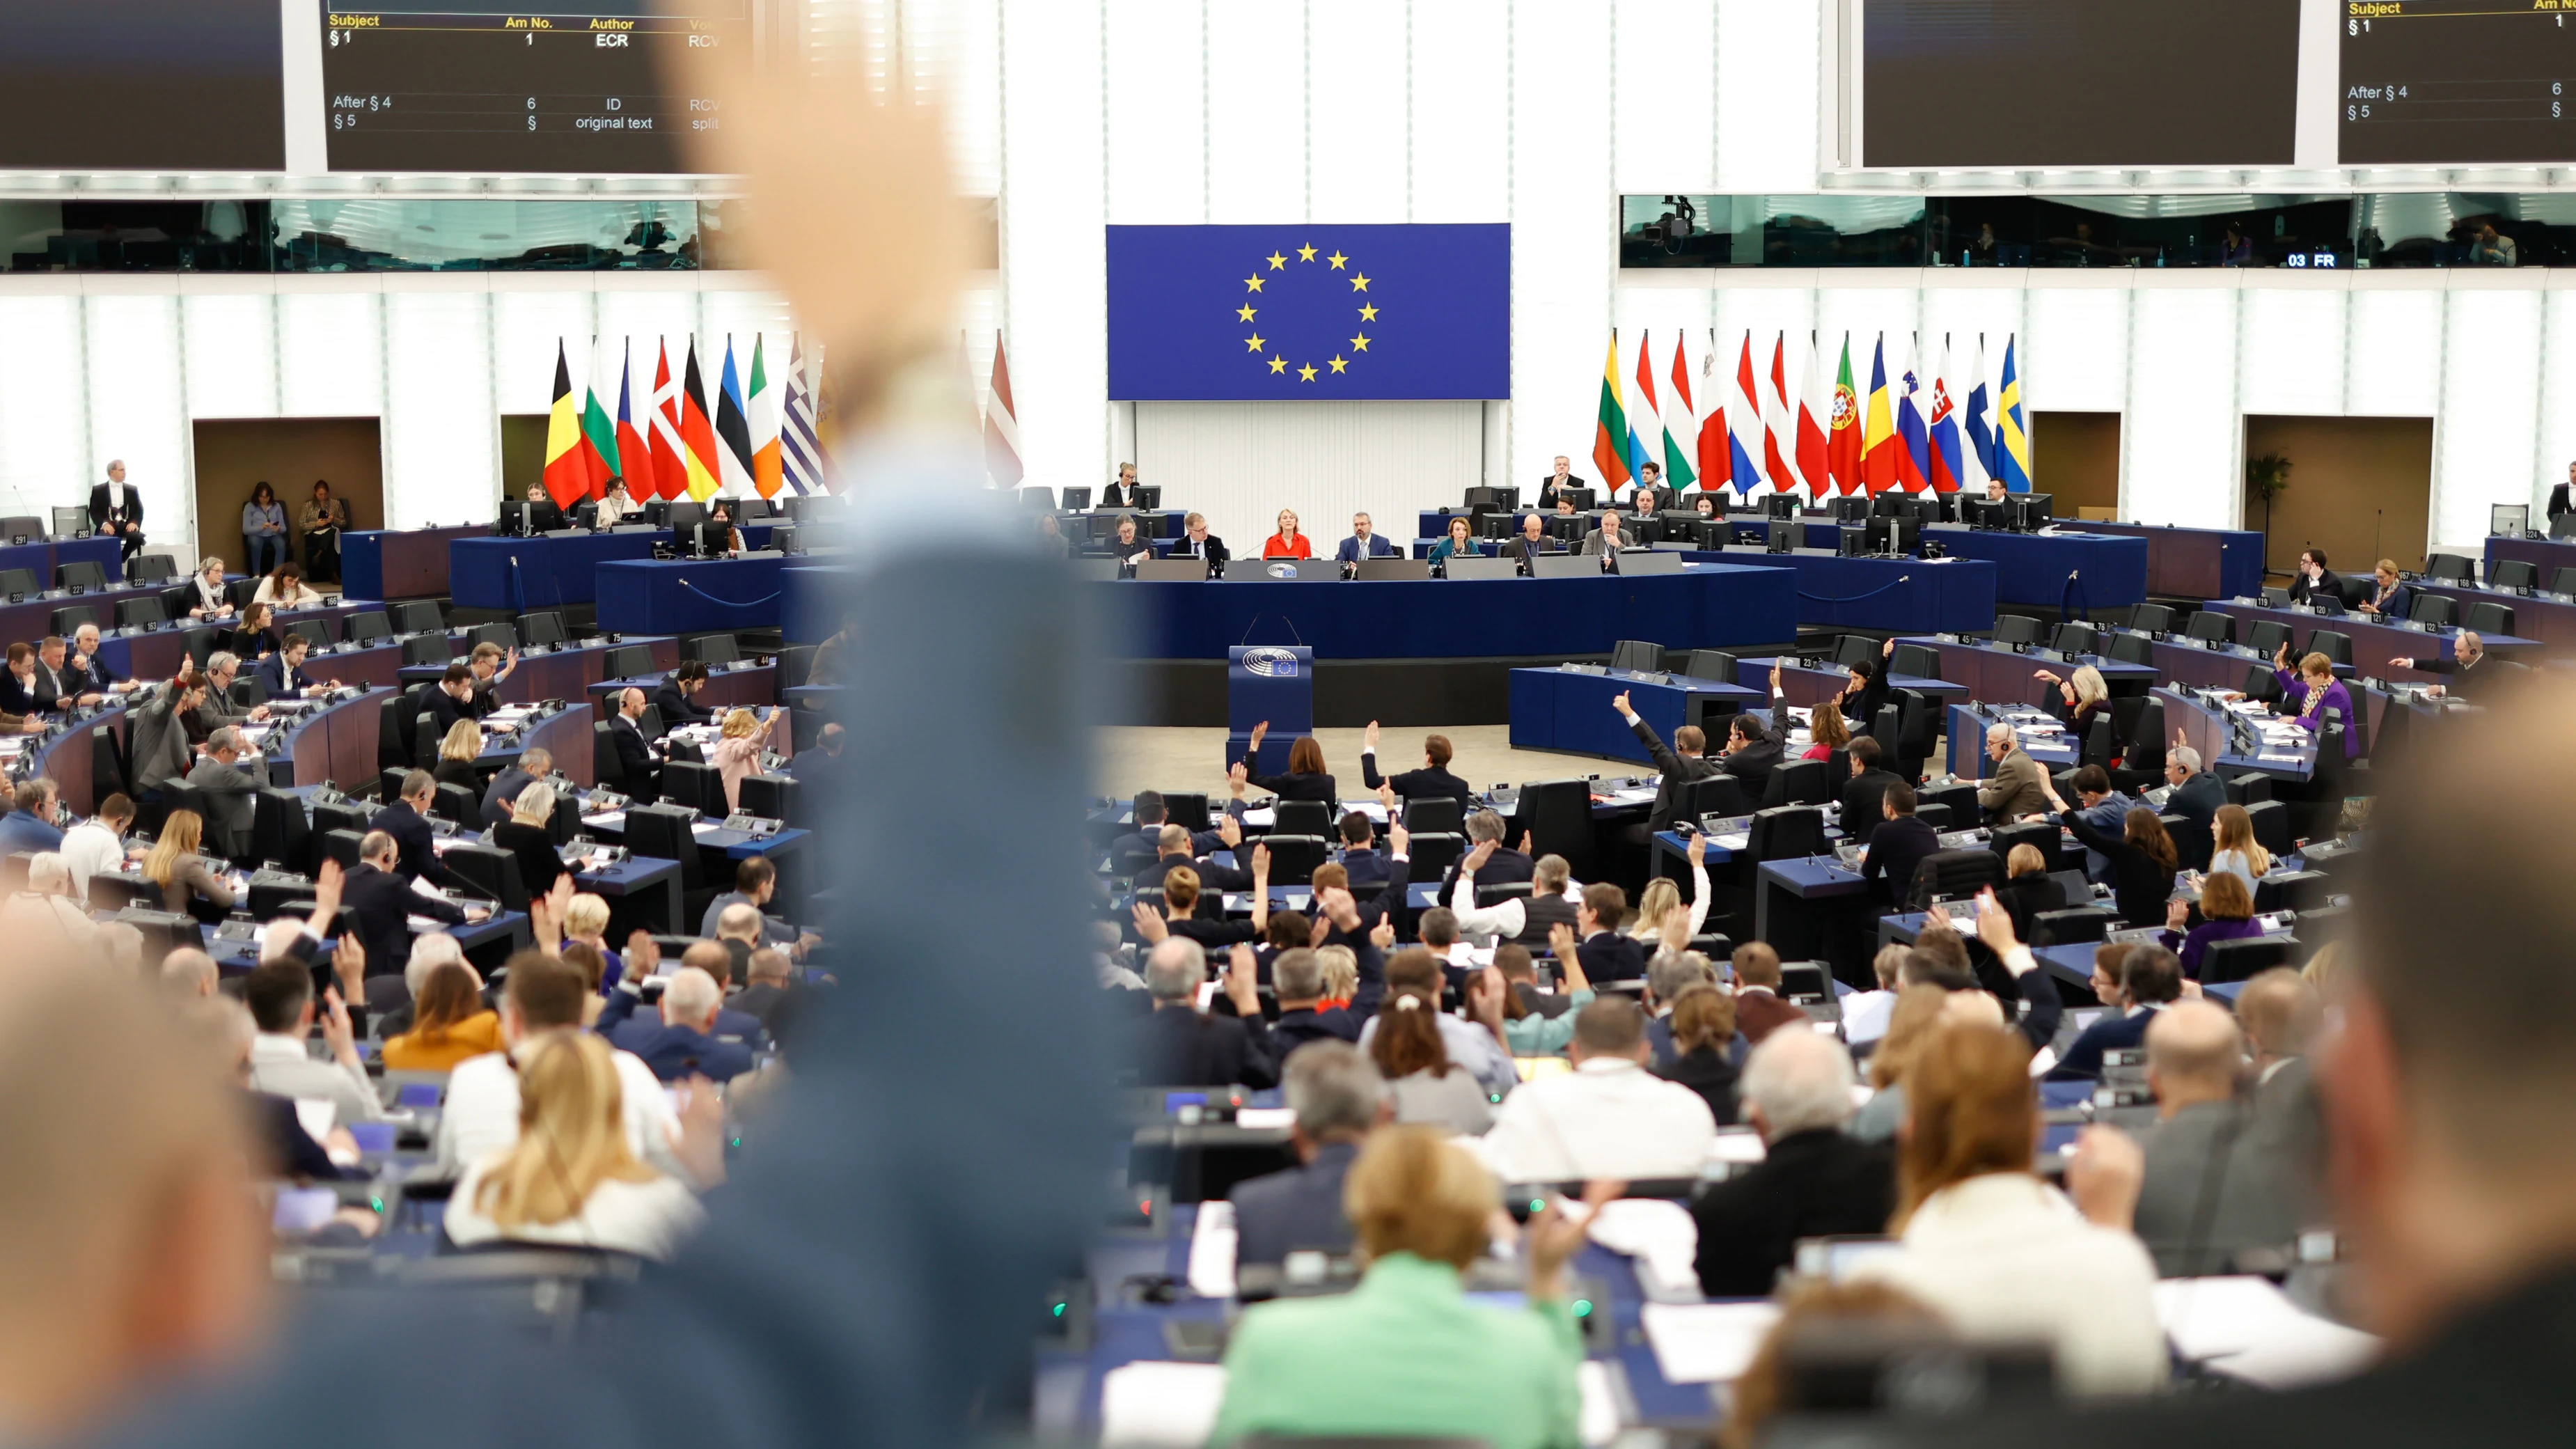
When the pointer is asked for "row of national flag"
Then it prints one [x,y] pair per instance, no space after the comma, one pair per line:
[1747,429]
[670,442]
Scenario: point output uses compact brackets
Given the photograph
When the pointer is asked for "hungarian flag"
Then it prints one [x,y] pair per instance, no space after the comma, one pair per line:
[733,432]
[1610,429]
[1778,443]
[697,433]
[1678,473]
[1843,451]
[567,476]
[1002,425]
[598,429]
[634,459]
[1744,422]
[1716,465]
[768,471]
[669,477]
[1913,452]
[1944,428]
[1815,414]
[1878,444]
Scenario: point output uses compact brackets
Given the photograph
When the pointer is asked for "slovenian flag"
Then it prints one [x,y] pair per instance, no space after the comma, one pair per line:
[2012,439]
[1944,428]
[1913,463]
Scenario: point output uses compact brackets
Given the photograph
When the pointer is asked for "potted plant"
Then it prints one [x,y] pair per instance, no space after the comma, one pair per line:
[2266,478]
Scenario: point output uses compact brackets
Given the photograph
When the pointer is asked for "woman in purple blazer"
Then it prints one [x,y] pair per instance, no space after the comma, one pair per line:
[2313,690]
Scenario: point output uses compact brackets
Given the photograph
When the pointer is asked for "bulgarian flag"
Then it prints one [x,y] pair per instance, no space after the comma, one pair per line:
[598,429]
[768,468]
[669,476]
[1678,474]
[567,476]
[1610,432]
[634,458]
[697,432]
[1842,450]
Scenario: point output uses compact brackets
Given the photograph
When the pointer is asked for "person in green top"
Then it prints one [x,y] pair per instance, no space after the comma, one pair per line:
[1405,1353]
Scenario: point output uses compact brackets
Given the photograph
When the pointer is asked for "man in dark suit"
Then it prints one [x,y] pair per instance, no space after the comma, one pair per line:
[229,790]
[1366,542]
[283,675]
[674,700]
[1432,782]
[116,508]
[1814,1179]
[1683,765]
[384,902]
[1177,1045]
[2150,980]
[1196,542]
[2470,674]
[1150,814]
[2313,579]
[1650,496]
[1750,754]
[1297,974]
[19,692]
[2196,796]
[1339,1099]
[54,682]
[1121,494]
[1500,867]
[449,700]
[634,754]
[1864,791]
[1366,866]
[683,1043]
[87,672]
[1172,847]
[1557,482]
[2558,502]
[1531,541]
[1897,846]
[407,821]
[1604,953]
[1759,1009]
[533,764]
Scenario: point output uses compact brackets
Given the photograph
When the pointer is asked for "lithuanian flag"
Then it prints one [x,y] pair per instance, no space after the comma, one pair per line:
[1610,435]
[567,476]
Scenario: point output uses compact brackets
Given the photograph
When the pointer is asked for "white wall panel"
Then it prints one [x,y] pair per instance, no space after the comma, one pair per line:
[1241,462]
[1663,96]
[442,451]
[1868,314]
[1562,249]
[44,402]
[1157,125]
[1356,93]
[1961,315]
[2557,442]
[1053,243]
[742,318]
[1256,125]
[1461,114]
[2182,435]
[2396,346]
[331,354]
[231,361]
[527,327]
[2073,348]
[2293,349]
[2485,444]
[137,411]
[1767,72]
[1661,317]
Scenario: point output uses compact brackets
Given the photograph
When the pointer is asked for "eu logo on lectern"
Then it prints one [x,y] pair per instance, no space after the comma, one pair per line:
[1295,312]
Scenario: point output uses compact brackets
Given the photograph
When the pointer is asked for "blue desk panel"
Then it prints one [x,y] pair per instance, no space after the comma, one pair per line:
[1891,594]
[2548,555]
[2373,645]
[411,564]
[1566,709]
[520,574]
[2195,563]
[810,600]
[1705,607]
[680,596]
[42,557]
[2539,616]
[2035,565]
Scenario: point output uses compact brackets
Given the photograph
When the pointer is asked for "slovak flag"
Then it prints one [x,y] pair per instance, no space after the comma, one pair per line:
[1913,468]
[1744,422]
[1779,442]
[1815,410]
[1944,428]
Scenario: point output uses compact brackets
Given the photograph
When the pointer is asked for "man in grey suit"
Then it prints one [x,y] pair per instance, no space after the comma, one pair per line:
[2196,796]
[216,710]
[1607,538]
[161,753]
[2018,787]
[2207,1193]
[1339,1099]
[229,790]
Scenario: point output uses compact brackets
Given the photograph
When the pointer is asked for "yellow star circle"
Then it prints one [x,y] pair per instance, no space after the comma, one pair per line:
[1339,364]
[1276,261]
[1305,254]
[1306,373]
[1278,364]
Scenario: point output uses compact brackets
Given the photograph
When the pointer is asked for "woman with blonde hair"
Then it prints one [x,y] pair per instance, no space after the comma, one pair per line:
[570,1180]
[1341,976]
[1663,897]
[529,837]
[2080,697]
[182,874]
[1428,1088]
[1909,1024]
[458,749]
[738,753]
[1288,542]
[586,921]
[1997,1251]
[1406,1355]
[449,1023]
[2233,848]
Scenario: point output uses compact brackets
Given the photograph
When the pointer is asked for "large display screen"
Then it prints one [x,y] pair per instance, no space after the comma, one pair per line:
[607,89]
[2020,84]
[141,85]
[2452,82]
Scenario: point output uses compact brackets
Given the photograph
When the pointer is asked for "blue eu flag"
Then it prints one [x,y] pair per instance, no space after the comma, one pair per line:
[1294,312]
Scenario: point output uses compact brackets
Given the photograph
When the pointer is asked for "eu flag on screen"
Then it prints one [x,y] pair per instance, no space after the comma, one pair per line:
[1293,312]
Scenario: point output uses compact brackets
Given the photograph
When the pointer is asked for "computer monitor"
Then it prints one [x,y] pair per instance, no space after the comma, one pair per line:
[2510,520]
[1642,530]
[1779,505]
[1901,533]
[1889,503]
[522,517]
[1984,513]
[1076,500]
[1783,536]
[1569,530]
[1149,495]
[685,516]
[1853,509]
[1580,497]
[1507,499]
[1856,542]
[2030,511]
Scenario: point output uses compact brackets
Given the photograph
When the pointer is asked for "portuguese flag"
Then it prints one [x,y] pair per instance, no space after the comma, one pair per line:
[1610,437]
[1842,450]
[567,476]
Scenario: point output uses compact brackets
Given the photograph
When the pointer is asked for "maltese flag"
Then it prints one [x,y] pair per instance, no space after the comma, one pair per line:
[1744,422]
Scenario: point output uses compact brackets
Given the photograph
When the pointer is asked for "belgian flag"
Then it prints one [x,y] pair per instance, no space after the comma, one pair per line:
[568,454]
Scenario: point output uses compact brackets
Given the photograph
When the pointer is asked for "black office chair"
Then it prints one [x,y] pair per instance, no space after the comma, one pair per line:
[2242,959]
[420,616]
[340,845]
[393,739]
[1958,797]
[2073,926]
[2261,684]
[2292,890]
[1557,814]
[2334,644]
[2016,629]
[425,741]
[1434,852]
[1716,664]
[2249,789]
[1306,817]
[2098,737]
[545,627]
[1637,654]
[135,612]
[279,831]
[2488,618]
[695,784]
[2271,820]
[1716,797]
[2041,835]
[248,692]
[1951,874]
[2142,758]
[69,618]
[2152,618]
[1293,858]
[2450,568]
[1188,809]
[148,568]
[81,574]
[1785,832]
[2562,581]
[711,649]
[459,804]
[1851,649]
[2211,626]
[1799,782]
[2074,638]
[2439,610]
[426,649]
[795,666]
[1921,661]
[503,637]
[627,661]
[773,797]
[2265,636]
[19,581]
[2514,573]
[369,626]
[490,870]
[2133,649]
[605,767]
[110,892]
[661,832]
[1434,813]
[1036,497]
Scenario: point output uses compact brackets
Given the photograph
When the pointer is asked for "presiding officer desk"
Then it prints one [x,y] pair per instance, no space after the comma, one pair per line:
[690,596]
[405,564]
[1878,592]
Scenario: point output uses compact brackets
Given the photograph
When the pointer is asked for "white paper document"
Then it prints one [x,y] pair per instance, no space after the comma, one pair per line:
[1706,1343]
[2247,1328]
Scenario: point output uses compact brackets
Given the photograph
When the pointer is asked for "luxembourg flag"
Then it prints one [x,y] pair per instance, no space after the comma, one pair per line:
[1744,422]
[1779,441]
[1913,465]
[1815,409]
[1944,428]
[1979,456]
[1645,416]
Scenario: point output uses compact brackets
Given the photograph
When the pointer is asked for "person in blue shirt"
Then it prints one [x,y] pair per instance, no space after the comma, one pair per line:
[2389,599]
[30,829]
[2150,979]
[282,673]
[1460,543]
[2104,809]
[1365,542]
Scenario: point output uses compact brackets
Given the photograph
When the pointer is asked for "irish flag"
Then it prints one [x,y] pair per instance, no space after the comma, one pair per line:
[1610,430]
[768,469]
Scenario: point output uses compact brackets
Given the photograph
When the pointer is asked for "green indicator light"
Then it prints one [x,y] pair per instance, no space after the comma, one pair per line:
[1058,1310]
[1583,1308]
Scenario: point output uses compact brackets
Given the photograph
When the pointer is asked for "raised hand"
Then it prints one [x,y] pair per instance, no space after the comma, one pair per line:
[1368,737]
[1261,862]
[2177,914]
[1526,839]
[1382,935]
[1398,838]
[1699,847]
[1150,925]
[1259,731]
[1477,857]
[642,956]
[1230,831]
[1775,674]
[1994,923]
[1619,701]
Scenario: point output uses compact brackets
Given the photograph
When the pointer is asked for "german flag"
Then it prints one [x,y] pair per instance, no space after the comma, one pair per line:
[568,455]
[697,433]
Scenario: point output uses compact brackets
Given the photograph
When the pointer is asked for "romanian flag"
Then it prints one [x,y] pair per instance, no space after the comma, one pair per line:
[1610,432]
[634,458]
[1878,442]
[669,477]
[2012,439]
[598,429]
[567,476]
[697,432]
[1842,451]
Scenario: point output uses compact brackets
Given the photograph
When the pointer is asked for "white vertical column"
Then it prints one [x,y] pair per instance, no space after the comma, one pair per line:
[138,410]
[442,419]
[44,396]
[1053,246]
[1563,258]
